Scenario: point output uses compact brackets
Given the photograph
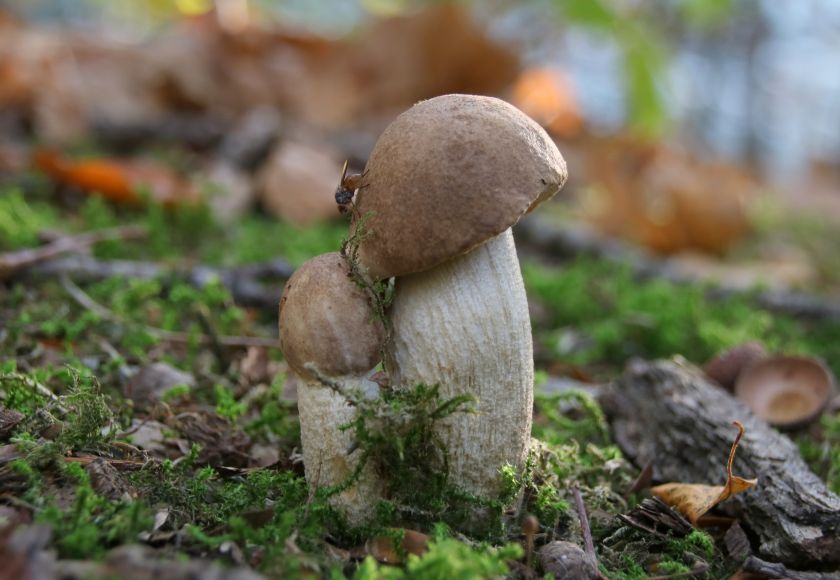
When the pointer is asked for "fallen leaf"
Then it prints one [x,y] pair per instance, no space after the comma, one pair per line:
[547,96]
[695,499]
[664,199]
[384,548]
[120,182]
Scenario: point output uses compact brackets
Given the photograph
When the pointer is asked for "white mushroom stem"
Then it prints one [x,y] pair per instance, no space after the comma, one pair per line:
[325,447]
[465,325]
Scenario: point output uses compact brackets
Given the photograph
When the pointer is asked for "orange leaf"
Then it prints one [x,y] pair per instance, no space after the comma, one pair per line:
[120,182]
[695,499]
[547,95]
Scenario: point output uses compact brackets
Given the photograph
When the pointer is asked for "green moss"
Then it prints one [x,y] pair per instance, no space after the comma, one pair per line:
[92,523]
[667,567]
[570,415]
[193,232]
[21,392]
[599,313]
[446,558]
[821,449]
[697,542]
[397,433]
[21,220]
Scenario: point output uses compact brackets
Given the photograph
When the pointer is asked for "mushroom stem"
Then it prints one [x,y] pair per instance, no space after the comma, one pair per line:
[465,325]
[326,448]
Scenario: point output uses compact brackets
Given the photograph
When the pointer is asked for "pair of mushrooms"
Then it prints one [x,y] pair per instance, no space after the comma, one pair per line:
[443,186]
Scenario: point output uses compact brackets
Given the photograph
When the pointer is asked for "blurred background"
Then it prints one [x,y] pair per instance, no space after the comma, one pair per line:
[706,132]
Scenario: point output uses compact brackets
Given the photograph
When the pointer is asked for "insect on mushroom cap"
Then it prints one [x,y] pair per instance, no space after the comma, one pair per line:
[326,321]
[446,176]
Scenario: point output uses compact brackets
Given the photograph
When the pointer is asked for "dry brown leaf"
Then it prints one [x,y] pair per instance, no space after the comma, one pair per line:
[119,182]
[664,199]
[384,549]
[695,499]
[547,96]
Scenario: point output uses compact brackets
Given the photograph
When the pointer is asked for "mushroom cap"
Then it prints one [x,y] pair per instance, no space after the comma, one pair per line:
[326,320]
[786,391]
[447,175]
[727,365]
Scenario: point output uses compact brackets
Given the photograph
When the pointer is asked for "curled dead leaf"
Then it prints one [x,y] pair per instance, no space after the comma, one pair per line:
[695,499]
[119,182]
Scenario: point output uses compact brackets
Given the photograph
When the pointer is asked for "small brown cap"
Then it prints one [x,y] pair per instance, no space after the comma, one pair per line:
[786,391]
[446,176]
[727,365]
[326,320]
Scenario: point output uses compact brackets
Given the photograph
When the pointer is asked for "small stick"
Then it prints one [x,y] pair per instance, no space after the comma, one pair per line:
[247,284]
[85,301]
[588,545]
[12,262]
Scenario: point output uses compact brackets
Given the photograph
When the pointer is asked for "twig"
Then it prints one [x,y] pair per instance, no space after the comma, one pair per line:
[89,303]
[775,570]
[564,244]
[249,285]
[12,262]
[588,545]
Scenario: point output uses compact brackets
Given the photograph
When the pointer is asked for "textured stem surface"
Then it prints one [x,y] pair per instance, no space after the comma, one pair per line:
[465,325]
[322,412]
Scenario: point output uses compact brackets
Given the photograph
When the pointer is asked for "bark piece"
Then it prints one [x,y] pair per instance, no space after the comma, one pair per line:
[770,570]
[670,413]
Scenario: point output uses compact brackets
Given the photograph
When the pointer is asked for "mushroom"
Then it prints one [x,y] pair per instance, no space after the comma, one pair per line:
[786,391]
[328,333]
[725,367]
[443,186]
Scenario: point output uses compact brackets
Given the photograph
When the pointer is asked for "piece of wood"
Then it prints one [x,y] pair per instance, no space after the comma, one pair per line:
[255,285]
[769,570]
[13,262]
[667,412]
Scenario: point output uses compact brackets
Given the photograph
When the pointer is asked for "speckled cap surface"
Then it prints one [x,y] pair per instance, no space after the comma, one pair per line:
[446,176]
[327,320]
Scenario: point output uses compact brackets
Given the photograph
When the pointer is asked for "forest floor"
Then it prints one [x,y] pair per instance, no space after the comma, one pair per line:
[147,424]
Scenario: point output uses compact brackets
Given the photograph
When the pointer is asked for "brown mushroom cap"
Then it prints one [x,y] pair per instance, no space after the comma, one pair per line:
[326,320]
[727,365]
[446,176]
[786,391]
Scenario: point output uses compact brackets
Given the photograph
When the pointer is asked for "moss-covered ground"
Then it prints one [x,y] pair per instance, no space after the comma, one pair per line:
[206,464]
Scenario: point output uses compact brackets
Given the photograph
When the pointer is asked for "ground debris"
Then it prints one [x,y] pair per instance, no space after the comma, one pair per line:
[567,560]
[221,443]
[655,517]
[135,562]
[794,516]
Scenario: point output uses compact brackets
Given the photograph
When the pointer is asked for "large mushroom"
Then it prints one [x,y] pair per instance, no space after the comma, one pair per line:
[328,333]
[443,186]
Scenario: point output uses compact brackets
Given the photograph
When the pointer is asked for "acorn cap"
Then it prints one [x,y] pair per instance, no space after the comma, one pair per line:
[326,320]
[446,176]
[786,391]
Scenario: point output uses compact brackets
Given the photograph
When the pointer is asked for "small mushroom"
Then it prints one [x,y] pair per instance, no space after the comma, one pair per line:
[328,333]
[727,365]
[787,391]
[443,186]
